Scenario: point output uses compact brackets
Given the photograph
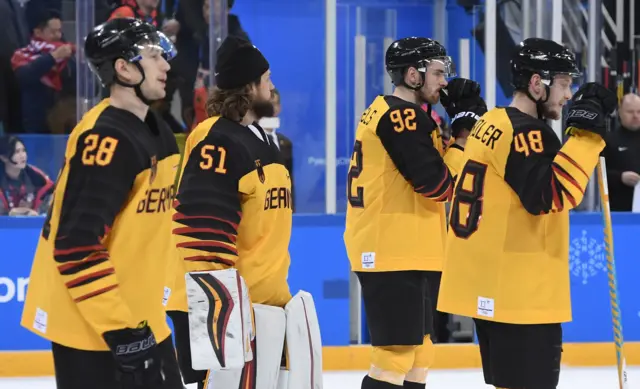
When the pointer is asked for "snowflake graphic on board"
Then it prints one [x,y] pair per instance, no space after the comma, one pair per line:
[587,257]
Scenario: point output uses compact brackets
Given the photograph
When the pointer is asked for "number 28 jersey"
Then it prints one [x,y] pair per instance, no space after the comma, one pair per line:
[507,257]
[397,186]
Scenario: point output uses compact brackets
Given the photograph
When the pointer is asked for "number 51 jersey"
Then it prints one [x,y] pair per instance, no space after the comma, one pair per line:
[397,184]
[507,257]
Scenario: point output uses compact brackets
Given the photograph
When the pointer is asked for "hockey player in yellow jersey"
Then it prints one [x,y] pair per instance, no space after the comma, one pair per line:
[97,283]
[232,226]
[395,224]
[507,262]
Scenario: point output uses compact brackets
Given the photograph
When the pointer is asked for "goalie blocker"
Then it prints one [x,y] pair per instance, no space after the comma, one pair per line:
[242,344]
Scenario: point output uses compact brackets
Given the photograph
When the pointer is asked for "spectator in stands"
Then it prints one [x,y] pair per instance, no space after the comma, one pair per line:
[202,75]
[190,38]
[24,189]
[15,34]
[46,74]
[622,155]
[13,26]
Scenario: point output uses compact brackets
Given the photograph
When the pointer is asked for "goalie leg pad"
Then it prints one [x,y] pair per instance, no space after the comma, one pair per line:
[220,320]
[304,344]
[268,346]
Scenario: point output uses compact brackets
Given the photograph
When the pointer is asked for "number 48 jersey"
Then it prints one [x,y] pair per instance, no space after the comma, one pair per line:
[508,240]
[397,184]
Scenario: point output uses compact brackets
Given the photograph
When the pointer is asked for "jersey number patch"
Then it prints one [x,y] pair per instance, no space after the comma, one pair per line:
[403,119]
[98,151]
[356,201]
[208,160]
[471,199]
[531,143]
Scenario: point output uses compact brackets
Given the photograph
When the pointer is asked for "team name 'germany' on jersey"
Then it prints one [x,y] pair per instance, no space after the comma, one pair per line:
[396,183]
[234,209]
[103,259]
[508,240]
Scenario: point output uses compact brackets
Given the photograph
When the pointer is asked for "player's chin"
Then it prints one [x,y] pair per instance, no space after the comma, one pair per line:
[159,93]
[433,98]
[554,114]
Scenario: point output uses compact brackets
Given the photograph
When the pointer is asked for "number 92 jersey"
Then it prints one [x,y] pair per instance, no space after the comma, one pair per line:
[397,186]
[508,240]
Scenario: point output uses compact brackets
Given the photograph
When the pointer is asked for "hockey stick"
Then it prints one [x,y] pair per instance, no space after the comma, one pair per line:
[611,271]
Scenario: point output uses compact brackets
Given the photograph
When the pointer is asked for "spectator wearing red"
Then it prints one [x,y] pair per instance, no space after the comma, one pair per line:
[45,70]
[24,189]
[146,10]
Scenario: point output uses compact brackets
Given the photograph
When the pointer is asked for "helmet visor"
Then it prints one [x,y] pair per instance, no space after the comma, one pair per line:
[439,65]
[152,44]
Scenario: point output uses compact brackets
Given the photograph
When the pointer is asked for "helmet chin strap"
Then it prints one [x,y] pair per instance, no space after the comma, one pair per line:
[136,87]
[417,87]
[540,102]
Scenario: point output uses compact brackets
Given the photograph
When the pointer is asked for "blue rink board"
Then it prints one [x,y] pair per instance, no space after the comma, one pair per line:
[319,265]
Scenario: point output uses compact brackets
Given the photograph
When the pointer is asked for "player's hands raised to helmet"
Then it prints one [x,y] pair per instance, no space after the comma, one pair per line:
[590,107]
[461,98]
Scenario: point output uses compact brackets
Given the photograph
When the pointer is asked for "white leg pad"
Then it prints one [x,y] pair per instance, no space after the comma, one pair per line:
[220,320]
[304,344]
[270,331]
[269,347]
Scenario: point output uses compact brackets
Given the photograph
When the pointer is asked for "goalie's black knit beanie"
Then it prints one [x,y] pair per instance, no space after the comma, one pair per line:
[238,63]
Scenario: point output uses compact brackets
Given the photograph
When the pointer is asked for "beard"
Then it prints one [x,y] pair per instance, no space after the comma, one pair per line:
[263,109]
[551,113]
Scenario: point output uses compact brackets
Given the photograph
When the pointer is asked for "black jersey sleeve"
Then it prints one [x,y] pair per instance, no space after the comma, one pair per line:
[99,177]
[207,205]
[546,176]
[405,133]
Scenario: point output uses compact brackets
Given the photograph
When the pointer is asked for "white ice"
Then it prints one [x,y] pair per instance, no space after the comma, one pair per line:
[570,378]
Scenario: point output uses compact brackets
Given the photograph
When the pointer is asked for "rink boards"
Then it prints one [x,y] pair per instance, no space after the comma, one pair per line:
[319,265]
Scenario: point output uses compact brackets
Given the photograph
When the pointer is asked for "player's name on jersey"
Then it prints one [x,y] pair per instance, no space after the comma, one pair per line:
[486,133]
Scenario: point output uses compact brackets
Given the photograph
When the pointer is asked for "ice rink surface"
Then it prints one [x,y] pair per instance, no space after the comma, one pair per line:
[570,378]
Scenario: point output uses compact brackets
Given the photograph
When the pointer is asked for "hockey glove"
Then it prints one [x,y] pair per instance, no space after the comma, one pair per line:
[461,98]
[590,107]
[135,351]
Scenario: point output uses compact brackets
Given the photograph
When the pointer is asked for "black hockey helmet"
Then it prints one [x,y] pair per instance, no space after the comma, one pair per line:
[415,52]
[543,57]
[123,38]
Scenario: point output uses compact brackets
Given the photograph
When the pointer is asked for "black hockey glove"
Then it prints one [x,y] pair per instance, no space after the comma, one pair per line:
[590,107]
[461,98]
[135,351]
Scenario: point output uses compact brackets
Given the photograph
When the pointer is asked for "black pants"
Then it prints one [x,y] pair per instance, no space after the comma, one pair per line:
[441,333]
[398,307]
[520,356]
[80,369]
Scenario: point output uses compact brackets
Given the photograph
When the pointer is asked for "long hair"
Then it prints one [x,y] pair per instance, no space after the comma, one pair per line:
[232,104]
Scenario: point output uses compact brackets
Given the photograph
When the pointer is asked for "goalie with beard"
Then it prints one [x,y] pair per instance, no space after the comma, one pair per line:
[232,226]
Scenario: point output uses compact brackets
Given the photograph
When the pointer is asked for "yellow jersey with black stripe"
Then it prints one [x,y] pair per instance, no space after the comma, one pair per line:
[508,241]
[453,158]
[397,186]
[104,257]
[233,208]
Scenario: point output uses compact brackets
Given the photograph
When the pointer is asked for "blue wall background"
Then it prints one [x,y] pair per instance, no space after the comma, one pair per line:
[319,265]
[291,33]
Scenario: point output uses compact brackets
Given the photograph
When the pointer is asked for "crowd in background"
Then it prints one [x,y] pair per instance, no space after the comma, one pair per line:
[38,91]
